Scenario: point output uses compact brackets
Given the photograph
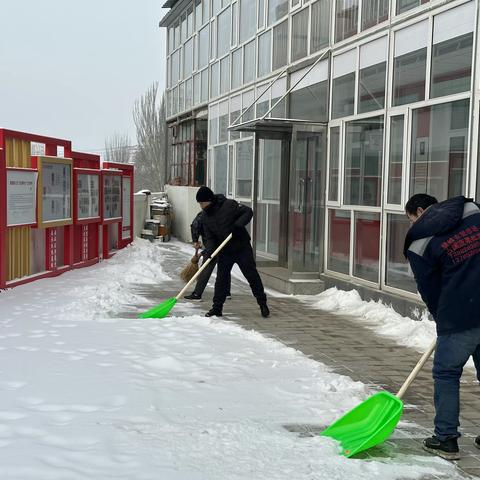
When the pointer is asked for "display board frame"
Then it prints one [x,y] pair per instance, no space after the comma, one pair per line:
[40,164]
[86,220]
[31,171]
[108,220]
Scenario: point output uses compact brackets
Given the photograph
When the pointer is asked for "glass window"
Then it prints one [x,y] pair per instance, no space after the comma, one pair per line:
[196,89]
[223,32]
[230,171]
[215,80]
[181,97]
[363,161]
[198,14]
[249,62]
[309,98]
[338,259]
[206,10]
[262,103]
[177,35]
[343,95]
[366,256]
[220,169]
[248,107]
[188,93]
[203,43]
[373,67]
[409,68]
[188,58]
[405,5]
[300,35]
[261,13]
[225,74]
[272,154]
[213,125]
[184,27]
[278,92]
[235,110]
[334,164]
[398,273]
[452,50]
[216,6]
[264,53]
[190,22]
[234,25]
[213,40]
[395,161]
[247,26]
[280,45]
[439,149]
[223,122]
[237,68]
[244,155]
[171,39]
[346,19]
[276,10]
[204,89]
[175,67]
[374,12]
[320,25]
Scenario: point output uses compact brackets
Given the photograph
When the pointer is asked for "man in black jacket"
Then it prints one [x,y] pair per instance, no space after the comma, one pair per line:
[196,229]
[222,216]
[443,248]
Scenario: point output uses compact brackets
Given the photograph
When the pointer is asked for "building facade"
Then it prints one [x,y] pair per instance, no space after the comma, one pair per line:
[325,116]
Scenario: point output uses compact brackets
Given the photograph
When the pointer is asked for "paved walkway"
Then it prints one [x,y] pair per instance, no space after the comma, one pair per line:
[350,349]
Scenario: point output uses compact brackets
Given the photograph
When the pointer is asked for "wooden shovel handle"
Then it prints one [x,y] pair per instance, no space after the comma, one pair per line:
[417,369]
[204,265]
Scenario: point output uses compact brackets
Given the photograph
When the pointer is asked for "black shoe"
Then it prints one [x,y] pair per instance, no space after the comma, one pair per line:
[264,310]
[477,442]
[447,449]
[192,296]
[214,312]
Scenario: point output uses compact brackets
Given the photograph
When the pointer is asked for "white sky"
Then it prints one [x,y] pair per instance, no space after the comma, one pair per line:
[73,69]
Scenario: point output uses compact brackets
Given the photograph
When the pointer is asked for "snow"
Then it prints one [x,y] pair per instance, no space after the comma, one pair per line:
[87,394]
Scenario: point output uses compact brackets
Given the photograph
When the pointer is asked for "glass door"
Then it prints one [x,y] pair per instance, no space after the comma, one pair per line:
[307,199]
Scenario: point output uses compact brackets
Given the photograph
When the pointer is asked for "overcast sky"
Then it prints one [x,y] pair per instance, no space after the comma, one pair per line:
[73,68]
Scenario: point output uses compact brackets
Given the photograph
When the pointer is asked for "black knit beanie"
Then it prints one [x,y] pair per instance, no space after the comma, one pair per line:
[204,194]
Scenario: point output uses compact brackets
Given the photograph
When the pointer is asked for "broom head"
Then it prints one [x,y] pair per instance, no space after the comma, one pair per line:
[191,269]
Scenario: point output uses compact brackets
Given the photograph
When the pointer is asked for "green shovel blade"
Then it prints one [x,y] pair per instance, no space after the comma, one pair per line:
[368,424]
[161,310]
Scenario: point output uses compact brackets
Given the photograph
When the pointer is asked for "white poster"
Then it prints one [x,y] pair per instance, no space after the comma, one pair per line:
[56,192]
[88,195]
[126,222]
[112,207]
[21,197]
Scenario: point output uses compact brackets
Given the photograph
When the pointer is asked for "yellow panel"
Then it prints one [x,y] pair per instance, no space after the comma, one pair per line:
[18,251]
[18,153]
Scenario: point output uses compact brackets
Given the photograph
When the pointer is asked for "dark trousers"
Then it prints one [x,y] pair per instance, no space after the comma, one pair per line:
[451,355]
[244,259]
[204,277]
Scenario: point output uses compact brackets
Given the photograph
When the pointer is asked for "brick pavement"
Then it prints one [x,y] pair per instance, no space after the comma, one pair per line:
[349,348]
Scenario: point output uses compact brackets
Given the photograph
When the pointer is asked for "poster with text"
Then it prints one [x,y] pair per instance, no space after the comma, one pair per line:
[112,194]
[21,197]
[88,195]
[56,192]
[126,208]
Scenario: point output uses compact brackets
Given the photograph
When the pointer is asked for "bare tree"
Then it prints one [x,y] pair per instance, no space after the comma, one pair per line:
[150,158]
[118,148]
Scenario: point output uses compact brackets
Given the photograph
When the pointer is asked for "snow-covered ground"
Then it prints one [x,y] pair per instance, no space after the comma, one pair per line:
[86,394]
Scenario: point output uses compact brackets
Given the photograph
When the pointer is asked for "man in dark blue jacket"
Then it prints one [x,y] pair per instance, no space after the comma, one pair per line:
[196,229]
[222,216]
[443,248]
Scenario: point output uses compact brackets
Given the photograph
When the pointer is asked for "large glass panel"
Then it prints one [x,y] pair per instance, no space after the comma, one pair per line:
[265,53]
[188,93]
[280,45]
[213,125]
[374,12]
[300,35]
[405,5]
[237,68]
[230,171]
[188,58]
[235,110]
[263,101]
[225,74]
[220,155]
[343,97]
[409,68]
[204,89]
[196,89]
[373,66]
[366,255]
[439,149]
[333,172]
[198,14]
[244,156]
[363,161]
[203,43]
[249,62]
[234,25]
[261,13]
[310,103]
[320,25]
[223,32]
[190,22]
[215,80]
[216,6]
[395,161]
[338,258]
[223,123]
[346,19]
[175,67]
[276,10]
[398,273]
[247,25]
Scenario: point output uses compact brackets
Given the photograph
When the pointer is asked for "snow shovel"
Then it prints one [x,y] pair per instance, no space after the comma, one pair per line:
[372,422]
[163,309]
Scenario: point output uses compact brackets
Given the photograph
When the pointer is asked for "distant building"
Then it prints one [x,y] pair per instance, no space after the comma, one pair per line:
[347,108]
